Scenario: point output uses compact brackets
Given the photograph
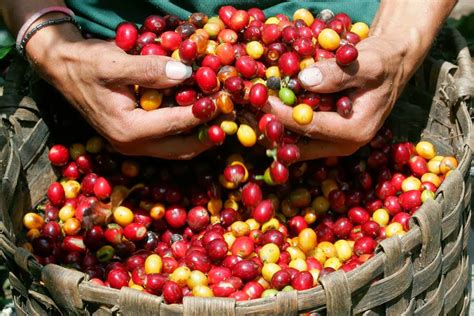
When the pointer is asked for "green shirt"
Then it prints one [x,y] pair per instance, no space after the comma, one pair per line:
[100,17]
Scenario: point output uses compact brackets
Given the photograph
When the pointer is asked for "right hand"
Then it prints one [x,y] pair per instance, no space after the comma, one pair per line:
[98,79]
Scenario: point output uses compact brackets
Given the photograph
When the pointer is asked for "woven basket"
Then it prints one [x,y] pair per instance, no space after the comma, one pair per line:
[425,272]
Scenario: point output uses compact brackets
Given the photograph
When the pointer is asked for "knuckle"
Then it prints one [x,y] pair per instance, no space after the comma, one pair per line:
[376,70]
[152,70]
[123,140]
[364,133]
[339,77]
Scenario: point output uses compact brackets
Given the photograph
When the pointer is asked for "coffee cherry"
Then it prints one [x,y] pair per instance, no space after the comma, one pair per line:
[187,51]
[337,26]
[239,20]
[305,15]
[155,24]
[302,114]
[304,47]
[254,49]
[58,155]
[246,135]
[288,154]
[252,33]
[151,99]
[185,30]
[361,29]
[279,172]
[289,64]
[153,49]
[225,53]
[274,83]
[216,135]
[102,188]
[186,96]
[246,66]
[270,33]
[258,95]
[225,103]
[287,96]
[206,79]
[352,38]
[346,55]
[344,106]
[329,39]
[126,35]
[274,130]
[56,194]
[170,40]
[234,85]
[203,108]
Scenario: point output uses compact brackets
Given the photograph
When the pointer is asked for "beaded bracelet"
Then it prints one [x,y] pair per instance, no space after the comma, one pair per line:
[37,15]
[29,35]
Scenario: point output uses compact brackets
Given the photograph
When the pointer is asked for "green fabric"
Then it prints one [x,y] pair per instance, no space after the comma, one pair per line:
[100,17]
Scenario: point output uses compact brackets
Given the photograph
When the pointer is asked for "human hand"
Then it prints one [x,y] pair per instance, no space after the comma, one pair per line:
[98,79]
[400,37]
[373,83]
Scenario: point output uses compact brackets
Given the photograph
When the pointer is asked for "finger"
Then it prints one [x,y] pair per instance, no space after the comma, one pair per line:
[327,76]
[181,147]
[151,71]
[330,125]
[322,126]
[164,121]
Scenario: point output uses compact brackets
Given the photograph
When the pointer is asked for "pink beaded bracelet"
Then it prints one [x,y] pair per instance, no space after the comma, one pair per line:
[35,17]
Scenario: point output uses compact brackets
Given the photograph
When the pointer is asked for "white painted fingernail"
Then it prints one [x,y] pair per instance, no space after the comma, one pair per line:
[311,76]
[176,70]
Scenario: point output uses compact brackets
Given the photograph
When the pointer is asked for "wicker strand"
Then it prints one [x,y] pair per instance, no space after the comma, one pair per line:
[133,302]
[199,306]
[465,77]
[394,260]
[428,218]
[338,295]
[63,285]
[286,303]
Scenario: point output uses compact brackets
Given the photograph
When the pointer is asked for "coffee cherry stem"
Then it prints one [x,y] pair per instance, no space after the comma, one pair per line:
[284,82]
[272,153]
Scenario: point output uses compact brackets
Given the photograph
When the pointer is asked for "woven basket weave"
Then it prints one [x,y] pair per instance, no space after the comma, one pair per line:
[425,272]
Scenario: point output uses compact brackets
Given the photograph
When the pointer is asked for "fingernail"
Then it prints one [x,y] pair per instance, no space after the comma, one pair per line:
[311,76]
[177,71]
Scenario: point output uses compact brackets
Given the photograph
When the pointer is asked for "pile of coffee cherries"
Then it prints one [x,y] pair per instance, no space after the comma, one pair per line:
[241,58]
[214,227]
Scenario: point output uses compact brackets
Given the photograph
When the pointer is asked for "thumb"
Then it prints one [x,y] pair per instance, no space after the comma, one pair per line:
[327,76]
[153,71]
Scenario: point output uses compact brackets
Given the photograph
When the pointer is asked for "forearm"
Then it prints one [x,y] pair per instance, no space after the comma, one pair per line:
[413,24]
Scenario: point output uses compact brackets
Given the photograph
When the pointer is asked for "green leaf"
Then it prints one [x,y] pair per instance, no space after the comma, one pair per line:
[4,51]
[6,41]
[5,38]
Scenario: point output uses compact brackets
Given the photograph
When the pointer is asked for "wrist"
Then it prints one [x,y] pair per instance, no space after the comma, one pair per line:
[49,43]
